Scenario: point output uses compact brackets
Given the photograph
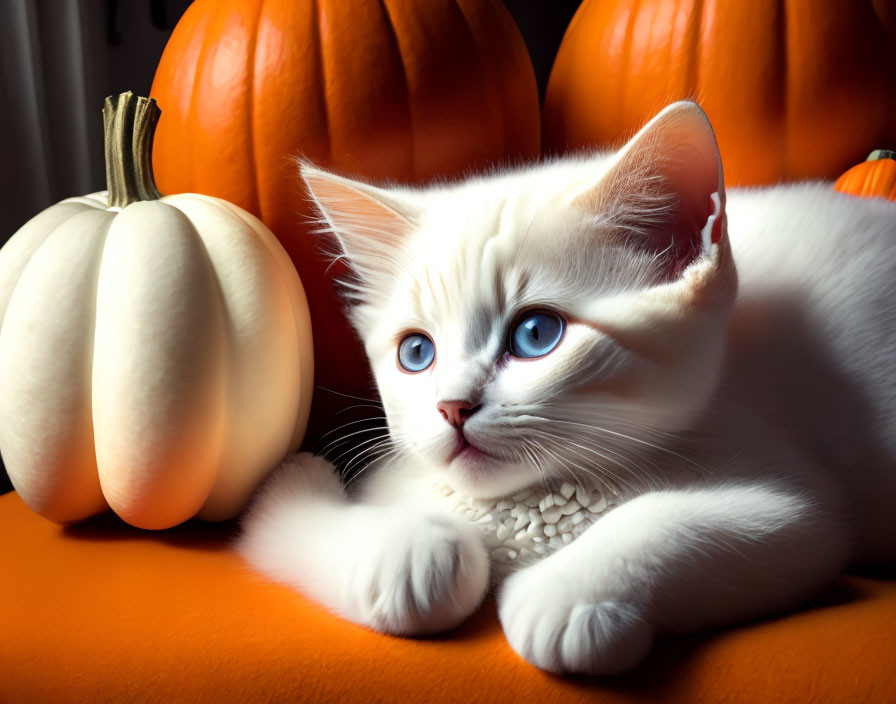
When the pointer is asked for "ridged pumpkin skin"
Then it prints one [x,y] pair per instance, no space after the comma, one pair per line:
[793,89]
[154,359]
[873,178]
[406,90]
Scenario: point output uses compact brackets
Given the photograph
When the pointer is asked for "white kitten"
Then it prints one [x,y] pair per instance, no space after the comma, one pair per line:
[565,357]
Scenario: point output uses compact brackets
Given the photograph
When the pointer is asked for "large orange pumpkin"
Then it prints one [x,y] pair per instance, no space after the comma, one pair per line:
[794,89]
[873,178]
[407,90]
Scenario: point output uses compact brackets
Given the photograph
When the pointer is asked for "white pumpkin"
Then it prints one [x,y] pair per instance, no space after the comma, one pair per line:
[155,356]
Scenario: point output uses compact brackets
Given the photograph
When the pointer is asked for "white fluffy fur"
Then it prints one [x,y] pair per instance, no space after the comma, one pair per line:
[750,432]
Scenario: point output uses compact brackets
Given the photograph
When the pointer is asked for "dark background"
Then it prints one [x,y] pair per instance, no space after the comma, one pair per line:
[132,35]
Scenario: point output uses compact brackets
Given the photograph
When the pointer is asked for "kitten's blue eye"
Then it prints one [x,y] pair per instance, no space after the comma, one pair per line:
[416,352]
[535,334]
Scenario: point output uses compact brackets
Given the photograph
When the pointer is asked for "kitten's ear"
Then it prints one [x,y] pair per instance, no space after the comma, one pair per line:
[369,223]
[666,187]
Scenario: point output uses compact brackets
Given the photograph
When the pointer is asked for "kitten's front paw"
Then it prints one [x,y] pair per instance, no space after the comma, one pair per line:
[415,575]
[560,628]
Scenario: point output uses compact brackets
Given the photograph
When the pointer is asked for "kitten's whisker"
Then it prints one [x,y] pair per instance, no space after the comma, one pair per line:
[603,468]
[365,443]
[563,464]
[356,406]
[344,395]
[378,452]
[622,457]
[376,460]
[344,438]
[618,419]
[535,463]
[584,409]
[625,436]
[630,465]
[355,422]
[627,459]
[372,450]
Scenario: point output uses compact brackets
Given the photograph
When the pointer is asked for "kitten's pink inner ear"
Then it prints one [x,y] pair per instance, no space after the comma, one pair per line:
[667,185]
[357,211]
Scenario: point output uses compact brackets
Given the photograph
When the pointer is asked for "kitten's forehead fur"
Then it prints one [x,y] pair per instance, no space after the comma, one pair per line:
[578,236]
[489,248]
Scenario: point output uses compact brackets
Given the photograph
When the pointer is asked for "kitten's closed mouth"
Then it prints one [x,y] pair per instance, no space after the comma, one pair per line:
[468,450]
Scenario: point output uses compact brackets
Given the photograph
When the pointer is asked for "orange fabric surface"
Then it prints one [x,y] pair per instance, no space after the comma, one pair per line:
[103,611]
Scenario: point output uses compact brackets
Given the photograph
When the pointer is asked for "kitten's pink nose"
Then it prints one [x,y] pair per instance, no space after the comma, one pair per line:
[457,412]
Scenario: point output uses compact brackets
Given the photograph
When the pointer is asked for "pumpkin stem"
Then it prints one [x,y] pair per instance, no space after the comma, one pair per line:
[129,124]
[881,154]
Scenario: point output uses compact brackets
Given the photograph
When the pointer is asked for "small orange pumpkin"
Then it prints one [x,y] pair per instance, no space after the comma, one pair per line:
[873,178]
[794,90]
[407,90]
